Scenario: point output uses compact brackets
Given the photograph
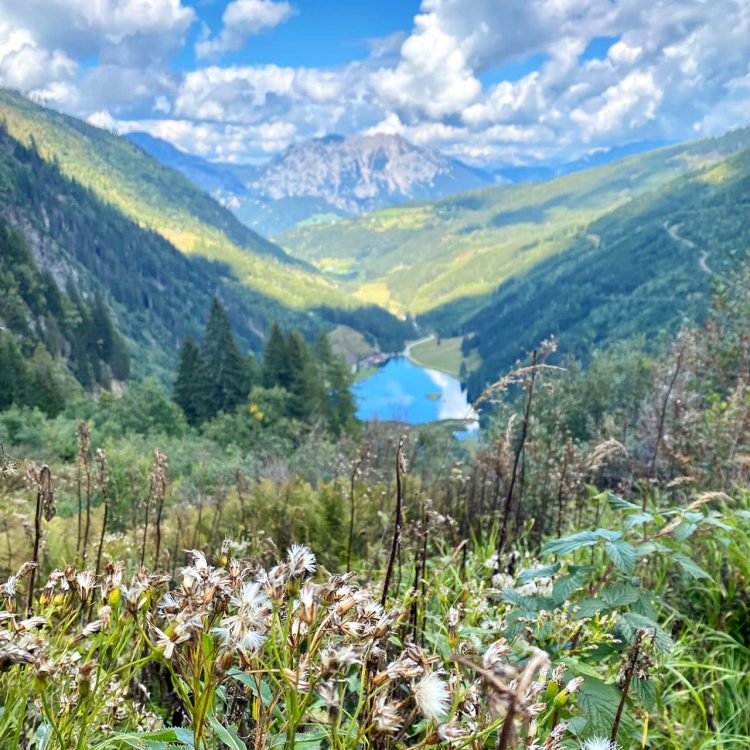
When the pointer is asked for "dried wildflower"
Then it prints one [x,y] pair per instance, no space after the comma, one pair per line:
[301,560]
[85,581]
[431,696]
[307,600]
[386,718]
[599,743]
[452,732]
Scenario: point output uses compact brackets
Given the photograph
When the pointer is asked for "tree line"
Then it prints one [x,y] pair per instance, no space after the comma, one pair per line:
[310,383]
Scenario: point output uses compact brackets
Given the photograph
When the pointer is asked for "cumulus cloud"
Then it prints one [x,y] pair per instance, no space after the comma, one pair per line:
[115,31]
[483,80]
[243,19]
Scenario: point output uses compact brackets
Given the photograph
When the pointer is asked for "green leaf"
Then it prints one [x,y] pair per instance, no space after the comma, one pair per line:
[567,585]
[619,595]
[622,554]
[685,530]
[619,503]
[250,682]
[589,607]
[631,622]
[645,692]
[163,739]
[568,544]
[636,519]
[691,567]
[532,573]
[608,534]
[228,735]
[598,702]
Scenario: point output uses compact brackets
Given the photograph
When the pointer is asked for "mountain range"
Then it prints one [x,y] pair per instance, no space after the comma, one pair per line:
[630,247]
[323,178]
[101,215]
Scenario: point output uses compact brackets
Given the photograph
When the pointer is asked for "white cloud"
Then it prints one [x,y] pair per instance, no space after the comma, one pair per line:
[116,31]
[242,19]
[674,70]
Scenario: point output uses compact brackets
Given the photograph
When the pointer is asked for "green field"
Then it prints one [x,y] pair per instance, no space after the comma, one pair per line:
[421,256]
[442,354]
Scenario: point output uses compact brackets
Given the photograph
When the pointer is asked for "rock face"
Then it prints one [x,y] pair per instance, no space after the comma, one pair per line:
[361,173]
[333,175]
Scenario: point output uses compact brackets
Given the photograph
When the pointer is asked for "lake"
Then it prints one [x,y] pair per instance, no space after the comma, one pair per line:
[404,392]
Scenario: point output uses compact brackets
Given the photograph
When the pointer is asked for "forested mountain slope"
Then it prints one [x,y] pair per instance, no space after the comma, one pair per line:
[160,199]
[640,270]
[160,295]
[420,256]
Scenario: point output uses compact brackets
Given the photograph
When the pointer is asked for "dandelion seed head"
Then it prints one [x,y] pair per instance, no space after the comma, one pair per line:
[431,696]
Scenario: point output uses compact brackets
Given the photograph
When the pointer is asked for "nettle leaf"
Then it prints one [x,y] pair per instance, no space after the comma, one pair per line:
[622,554]
[644,692]
[568,544]
[685,530]
[531,574]
[648,548]
[529,603]
[618,503]
[608,534]
[568,584]
[636,519]
[691,567]
[631,622]
[620,595]
[598,703]
[590,607]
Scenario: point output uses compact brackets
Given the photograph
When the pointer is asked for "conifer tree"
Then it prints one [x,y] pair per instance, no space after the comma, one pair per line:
[304,391]
[191,387]
[275,368]
[226,367]
[334,381]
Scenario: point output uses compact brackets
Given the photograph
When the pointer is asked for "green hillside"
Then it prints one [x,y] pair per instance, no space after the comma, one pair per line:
[642,269]
[420,256]
[160,199]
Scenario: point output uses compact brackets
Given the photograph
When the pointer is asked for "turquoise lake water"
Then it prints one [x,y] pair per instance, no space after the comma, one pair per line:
[404,392]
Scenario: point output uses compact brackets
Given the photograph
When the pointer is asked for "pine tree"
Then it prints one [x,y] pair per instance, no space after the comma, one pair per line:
[275,368]
[304,390]
[334,381]
[225,364]
[191,387]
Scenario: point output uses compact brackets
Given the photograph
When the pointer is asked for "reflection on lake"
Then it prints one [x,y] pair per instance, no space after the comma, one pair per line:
[402,391]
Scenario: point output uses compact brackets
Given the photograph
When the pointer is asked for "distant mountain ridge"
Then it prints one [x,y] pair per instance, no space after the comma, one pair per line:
[330,176]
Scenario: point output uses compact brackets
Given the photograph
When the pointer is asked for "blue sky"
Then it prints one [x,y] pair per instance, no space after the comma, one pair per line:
[492,82]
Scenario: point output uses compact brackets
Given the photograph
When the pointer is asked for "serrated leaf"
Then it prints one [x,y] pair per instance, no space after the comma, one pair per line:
[163,739]
[645,692]
[691,567]
[598,702]
[619,595]
[228,735]
[532,573]
[568,544]
[589,607]
[636,519]
[618,503]
[685,530]
[622,554]
[567,585]
[631,622]
[608,534]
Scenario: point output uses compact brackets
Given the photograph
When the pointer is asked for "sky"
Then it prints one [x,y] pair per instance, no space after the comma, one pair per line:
[492,82]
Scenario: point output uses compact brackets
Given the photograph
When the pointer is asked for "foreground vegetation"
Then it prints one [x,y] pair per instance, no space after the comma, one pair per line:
[576,578]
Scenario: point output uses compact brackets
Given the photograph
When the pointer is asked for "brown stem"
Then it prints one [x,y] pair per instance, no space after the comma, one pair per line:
[44,490]
[517,457]
[635,651]
[663,416]
[397,524]
[104,486]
